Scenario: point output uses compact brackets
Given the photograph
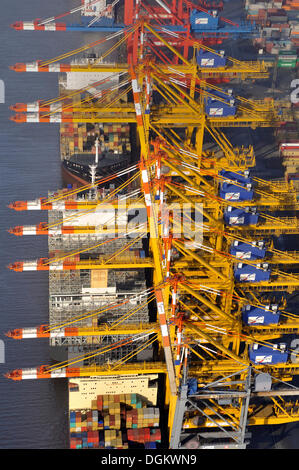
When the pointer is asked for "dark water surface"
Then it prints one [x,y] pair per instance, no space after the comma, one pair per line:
[33,414]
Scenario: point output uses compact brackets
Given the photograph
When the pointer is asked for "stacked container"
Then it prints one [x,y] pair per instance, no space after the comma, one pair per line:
[290,160]
[144,417]
[84,440]
[114,440]
[144,435]
[115,137]
[112,416]
[278,22]
[287,59]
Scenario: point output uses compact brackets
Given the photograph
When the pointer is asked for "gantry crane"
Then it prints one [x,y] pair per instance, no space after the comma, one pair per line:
[179,21]
[177,105]
[222,342]
[180,16]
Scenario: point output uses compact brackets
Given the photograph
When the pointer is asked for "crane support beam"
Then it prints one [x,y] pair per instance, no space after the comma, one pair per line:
[199,259]
[218,345]
[207,302]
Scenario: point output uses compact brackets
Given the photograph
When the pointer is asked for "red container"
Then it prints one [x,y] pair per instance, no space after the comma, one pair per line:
[262,13]
[155,435]
[112,420]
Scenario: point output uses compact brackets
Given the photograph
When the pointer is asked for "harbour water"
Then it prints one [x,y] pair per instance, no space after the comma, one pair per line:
[33,414]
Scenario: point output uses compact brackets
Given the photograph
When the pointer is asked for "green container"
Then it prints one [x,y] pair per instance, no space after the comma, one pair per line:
[287,63]
[292,58]
[133,398]
[287,53]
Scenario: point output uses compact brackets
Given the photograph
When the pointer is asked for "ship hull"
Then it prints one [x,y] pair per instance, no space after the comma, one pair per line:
[78,174]
[69,178]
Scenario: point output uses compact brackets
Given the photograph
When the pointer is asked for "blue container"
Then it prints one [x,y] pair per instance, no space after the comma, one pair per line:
[133,398]
[201,21]
[268,355]
[234,216]
[247,251]
[246,273]
[210,59]
[252,315]
[231,192]
[150,445]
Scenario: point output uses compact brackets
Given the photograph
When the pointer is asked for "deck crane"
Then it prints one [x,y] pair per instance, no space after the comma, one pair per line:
[220,339]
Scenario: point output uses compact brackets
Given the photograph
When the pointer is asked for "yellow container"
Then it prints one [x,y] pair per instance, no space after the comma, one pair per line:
[80,143]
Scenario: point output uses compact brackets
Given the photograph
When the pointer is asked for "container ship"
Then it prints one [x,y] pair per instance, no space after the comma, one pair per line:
[110,153]
[91,151]
[167,340]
